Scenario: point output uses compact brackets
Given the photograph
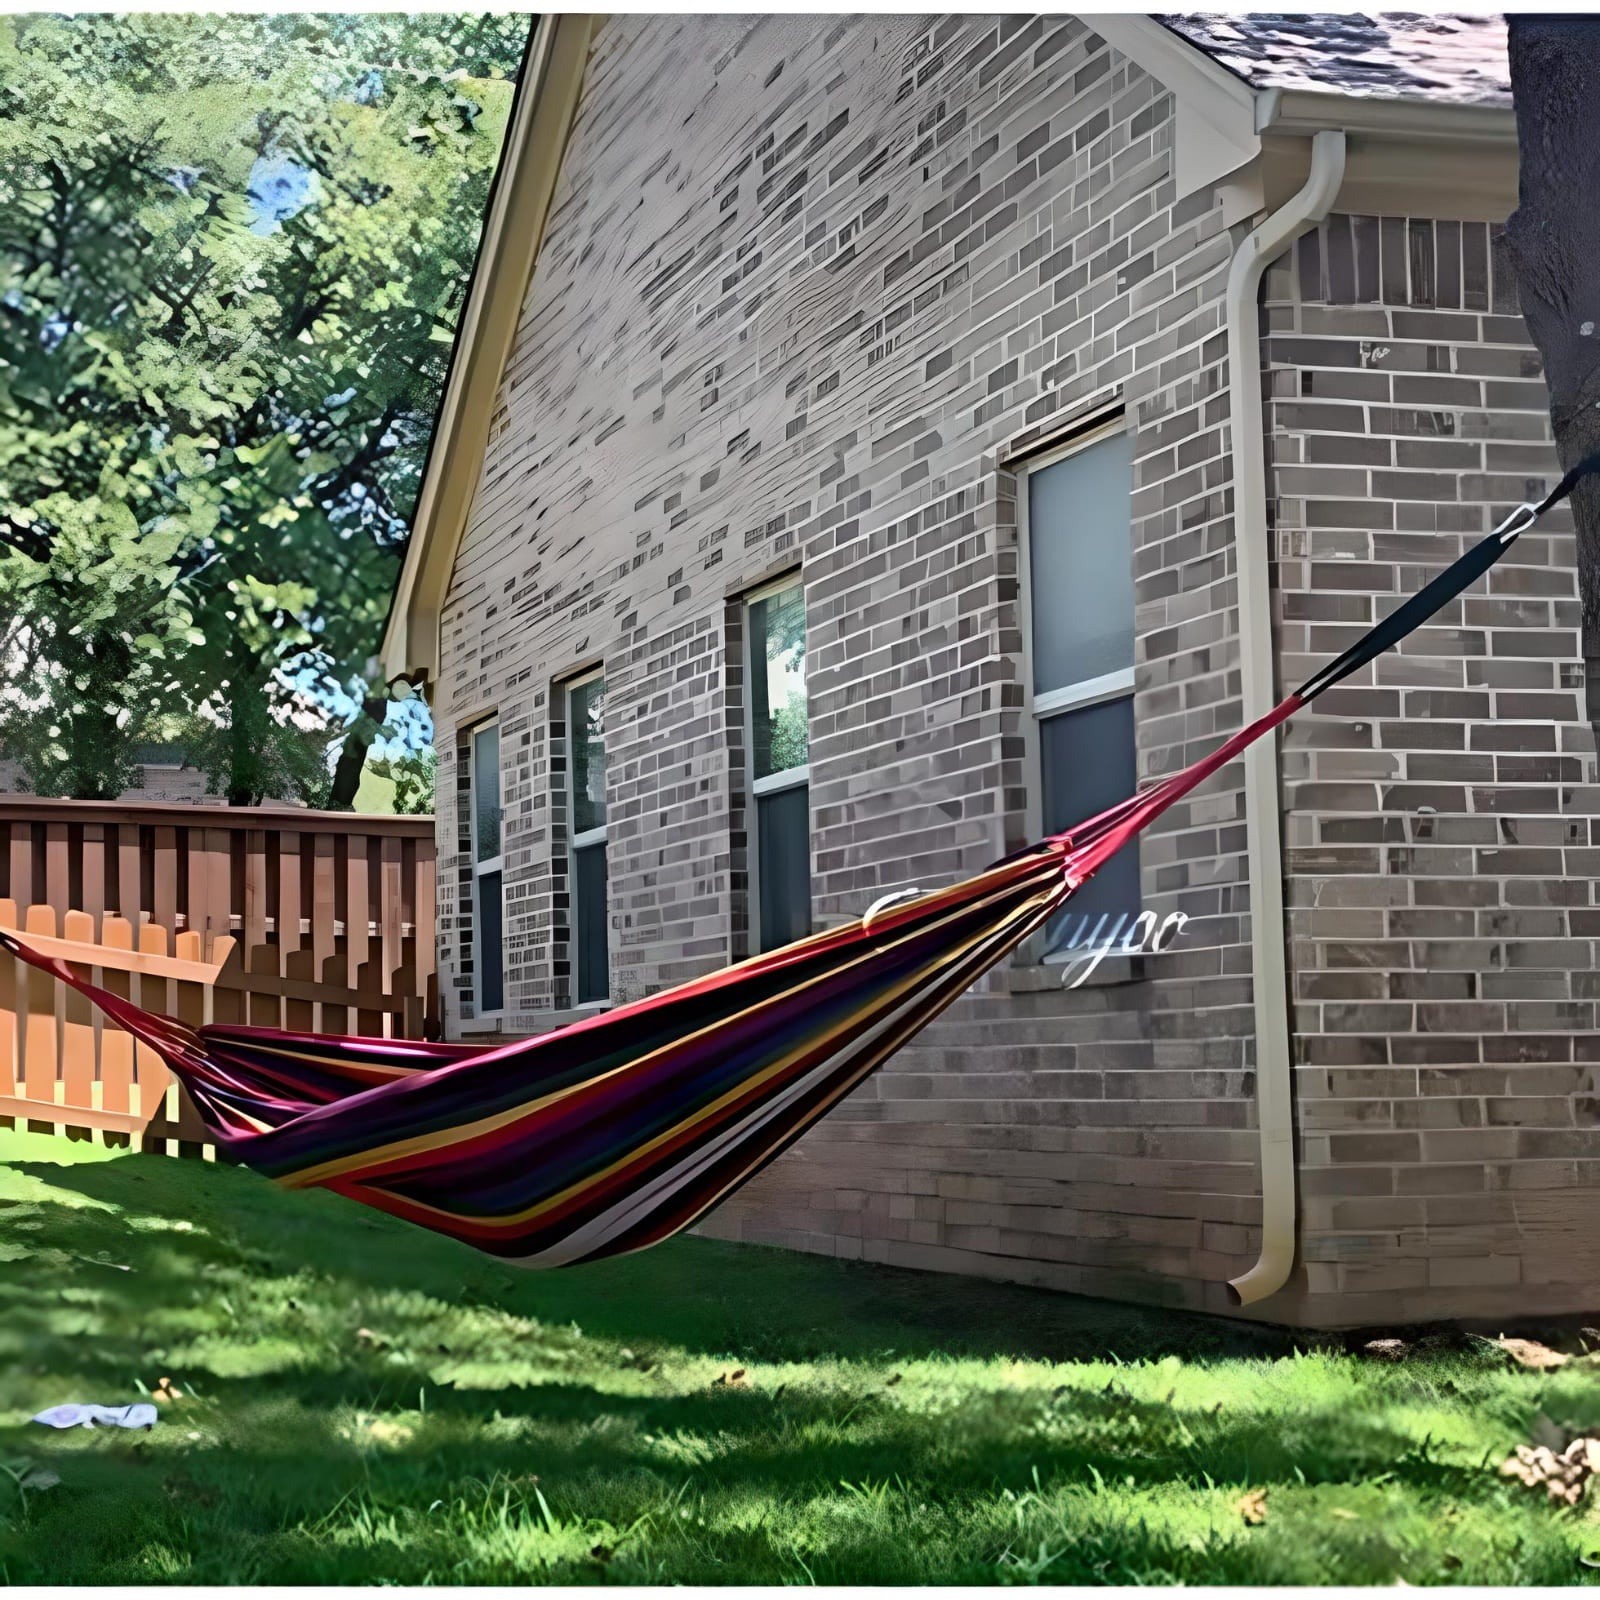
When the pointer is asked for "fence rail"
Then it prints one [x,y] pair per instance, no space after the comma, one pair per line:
[315,921]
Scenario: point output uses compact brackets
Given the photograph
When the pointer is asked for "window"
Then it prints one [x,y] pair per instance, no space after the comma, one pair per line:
[586,700]
[780,866]
[1076,510]
[488,963]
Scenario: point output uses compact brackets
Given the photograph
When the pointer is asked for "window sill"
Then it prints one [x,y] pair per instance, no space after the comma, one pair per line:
[546,1022]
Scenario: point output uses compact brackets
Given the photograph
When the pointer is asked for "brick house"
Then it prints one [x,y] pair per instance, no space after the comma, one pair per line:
[875,439]
[164,775]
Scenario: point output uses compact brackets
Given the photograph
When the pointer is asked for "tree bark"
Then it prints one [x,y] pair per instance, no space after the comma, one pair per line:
[1554,238]
[353,754]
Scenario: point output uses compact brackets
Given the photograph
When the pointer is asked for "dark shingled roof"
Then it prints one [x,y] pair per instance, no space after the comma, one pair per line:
[1395,55]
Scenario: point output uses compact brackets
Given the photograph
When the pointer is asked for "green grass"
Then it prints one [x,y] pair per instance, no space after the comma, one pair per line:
[492,1426]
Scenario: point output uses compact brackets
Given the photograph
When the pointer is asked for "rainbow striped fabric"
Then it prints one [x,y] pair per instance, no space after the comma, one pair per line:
[621,1129]
[615,1132]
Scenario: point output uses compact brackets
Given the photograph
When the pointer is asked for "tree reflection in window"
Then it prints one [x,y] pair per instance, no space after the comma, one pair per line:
[778,695]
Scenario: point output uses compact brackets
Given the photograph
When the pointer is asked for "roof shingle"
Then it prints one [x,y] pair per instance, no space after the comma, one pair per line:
[1386,55]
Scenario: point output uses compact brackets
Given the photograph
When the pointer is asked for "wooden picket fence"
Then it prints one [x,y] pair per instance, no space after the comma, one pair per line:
[62,1065]
[314,921]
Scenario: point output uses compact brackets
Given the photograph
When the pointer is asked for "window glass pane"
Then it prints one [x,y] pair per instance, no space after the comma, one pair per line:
[783,834]
[589,919]
[1089,765]
[778,681]
[1080,547]
[491,957]
[486,791]
[587,704]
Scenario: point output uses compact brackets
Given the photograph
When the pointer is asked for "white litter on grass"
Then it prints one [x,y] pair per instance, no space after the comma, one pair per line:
[136,1416]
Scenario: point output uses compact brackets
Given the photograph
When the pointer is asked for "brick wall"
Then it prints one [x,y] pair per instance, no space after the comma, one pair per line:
[806,288]
[1441,842]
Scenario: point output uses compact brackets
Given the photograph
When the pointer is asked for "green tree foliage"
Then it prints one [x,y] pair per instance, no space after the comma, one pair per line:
[412,774]
[97,629]
[784,647]
[266,750]
[233,252]
[790,743]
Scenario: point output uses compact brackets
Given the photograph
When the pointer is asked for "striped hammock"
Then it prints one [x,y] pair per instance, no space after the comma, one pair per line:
[617,1131]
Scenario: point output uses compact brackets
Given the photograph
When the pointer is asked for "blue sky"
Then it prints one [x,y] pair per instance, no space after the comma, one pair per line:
[278,187]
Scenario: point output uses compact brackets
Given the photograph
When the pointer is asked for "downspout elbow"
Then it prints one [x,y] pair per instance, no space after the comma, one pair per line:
[1263,823]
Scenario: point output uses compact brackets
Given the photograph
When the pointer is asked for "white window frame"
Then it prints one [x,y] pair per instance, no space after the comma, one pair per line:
[1117,685]
[776,782]
[495,863]
[578,841]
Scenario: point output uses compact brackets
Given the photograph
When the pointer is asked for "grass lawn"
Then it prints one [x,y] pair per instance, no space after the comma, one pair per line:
[365,1402]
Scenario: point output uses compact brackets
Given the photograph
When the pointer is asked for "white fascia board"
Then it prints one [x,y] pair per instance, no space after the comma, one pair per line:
[1307,111]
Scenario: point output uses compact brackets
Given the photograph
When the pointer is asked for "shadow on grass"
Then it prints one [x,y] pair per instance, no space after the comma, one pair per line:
[371,1401]
[321,1510]
[700,1295]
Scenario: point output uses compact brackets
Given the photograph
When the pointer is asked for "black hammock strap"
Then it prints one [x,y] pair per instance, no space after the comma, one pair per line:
[1444,588]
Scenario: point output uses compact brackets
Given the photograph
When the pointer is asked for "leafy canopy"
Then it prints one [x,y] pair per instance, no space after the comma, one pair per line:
[233,253]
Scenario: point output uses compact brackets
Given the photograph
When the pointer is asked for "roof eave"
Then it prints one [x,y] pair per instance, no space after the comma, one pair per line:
[512,234]
[1309,111]
[1405,157]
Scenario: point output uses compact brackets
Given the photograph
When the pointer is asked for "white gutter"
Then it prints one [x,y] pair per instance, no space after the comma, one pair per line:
[1263,824]
[1307,111]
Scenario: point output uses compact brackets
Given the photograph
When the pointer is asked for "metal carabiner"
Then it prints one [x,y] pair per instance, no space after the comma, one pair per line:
[1519,521]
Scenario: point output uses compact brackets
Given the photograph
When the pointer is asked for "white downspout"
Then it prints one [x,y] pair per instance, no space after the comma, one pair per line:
[1263,826]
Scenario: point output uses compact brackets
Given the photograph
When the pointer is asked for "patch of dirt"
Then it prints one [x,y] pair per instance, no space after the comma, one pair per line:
[1532,1354]
[1253,1507]
[1538,1348]
[1386,1349]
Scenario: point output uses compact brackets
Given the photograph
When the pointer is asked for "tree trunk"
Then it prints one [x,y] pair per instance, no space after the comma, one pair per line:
[1554,237]
[353,753]
[246,719]
[100,762]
